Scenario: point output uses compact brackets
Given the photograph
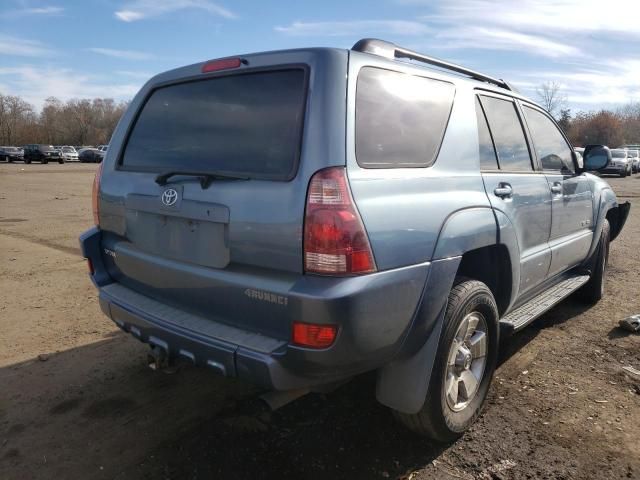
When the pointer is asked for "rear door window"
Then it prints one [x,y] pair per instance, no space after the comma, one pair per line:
[400,118]
[487,152]
[552,149]
[248,124]
[508,135]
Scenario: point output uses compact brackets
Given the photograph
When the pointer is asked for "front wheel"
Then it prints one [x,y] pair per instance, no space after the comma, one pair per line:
[465,362]
[61,161]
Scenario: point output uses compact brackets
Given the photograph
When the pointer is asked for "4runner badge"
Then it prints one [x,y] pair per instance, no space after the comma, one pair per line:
[266,296]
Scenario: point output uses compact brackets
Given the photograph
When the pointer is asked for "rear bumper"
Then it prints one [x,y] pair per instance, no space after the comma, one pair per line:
[369,336]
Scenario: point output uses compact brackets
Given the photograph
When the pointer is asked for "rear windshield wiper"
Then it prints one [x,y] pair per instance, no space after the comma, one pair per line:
[205,177]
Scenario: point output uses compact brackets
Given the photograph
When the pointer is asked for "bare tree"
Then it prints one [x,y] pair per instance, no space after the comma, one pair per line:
[551,97]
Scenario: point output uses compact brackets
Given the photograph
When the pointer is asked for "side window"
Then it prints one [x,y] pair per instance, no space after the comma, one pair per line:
[550,145]
[508,135]
[400,118]
[488,159]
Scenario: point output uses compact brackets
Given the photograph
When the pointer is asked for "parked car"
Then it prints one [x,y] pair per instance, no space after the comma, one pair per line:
[69,153]
[92,155]
[293,238]
[620,164]
[41,153]
[634,157]
[11,154]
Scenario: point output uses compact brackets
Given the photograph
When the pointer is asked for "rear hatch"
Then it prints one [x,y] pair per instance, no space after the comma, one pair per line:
[219,233]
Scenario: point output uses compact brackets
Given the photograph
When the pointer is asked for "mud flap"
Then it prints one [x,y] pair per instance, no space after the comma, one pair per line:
[403,385]
[623,213]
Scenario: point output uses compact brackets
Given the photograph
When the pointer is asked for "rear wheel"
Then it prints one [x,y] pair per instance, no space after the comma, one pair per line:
[61,160]
[464,366]
[593,290]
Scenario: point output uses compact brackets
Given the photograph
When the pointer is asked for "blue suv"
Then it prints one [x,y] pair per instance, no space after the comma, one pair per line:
[296,218]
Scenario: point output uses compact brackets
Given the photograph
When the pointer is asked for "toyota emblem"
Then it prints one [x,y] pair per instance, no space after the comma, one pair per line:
[169,197]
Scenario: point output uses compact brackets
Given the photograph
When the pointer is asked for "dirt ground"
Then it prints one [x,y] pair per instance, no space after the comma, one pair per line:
[78,401]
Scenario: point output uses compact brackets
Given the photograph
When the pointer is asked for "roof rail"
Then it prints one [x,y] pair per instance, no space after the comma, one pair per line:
[392,51]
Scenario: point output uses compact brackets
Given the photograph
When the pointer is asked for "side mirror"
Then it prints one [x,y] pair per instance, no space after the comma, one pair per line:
[596,157]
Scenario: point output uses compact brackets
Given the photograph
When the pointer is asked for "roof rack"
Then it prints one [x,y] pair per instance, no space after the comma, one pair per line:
[392,51]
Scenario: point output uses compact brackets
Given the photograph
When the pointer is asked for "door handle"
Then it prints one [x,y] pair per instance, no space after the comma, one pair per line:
[503,190]
[556,188]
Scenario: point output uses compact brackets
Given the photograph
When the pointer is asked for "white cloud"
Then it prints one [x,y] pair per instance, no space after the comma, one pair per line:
[354,28]
[132,74]
[23,47]
[487,38]
[609,82]
[559,16]
[140,9]
[123,54]
[50,10]
[34,84]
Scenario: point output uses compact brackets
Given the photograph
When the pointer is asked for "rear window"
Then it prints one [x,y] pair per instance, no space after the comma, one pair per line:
[400,118]
[248,124]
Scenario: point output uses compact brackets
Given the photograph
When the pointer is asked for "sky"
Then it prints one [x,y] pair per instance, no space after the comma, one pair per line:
[109,48]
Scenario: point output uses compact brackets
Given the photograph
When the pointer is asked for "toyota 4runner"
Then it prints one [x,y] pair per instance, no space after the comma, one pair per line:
[296,218]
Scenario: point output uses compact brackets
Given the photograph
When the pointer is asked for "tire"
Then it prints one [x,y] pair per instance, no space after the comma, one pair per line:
[445,415]
[623,174]
[592,291]
[61,161]
[27,161]
[44,162]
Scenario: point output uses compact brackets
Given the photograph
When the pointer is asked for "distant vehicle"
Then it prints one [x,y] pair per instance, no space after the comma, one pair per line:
[68,153]
[634,155]
[9,154]
[90,155]
[620,163]
[41,153]
[103,148]
[633,146]
[426,217]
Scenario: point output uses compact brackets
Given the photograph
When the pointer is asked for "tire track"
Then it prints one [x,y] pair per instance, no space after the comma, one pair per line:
[45,243]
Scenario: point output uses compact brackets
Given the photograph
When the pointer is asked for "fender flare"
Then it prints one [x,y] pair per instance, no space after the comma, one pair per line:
[607,200]
[402,384]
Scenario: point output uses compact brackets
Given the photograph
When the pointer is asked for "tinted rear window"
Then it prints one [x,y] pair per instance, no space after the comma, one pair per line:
[400,118]
[248,124]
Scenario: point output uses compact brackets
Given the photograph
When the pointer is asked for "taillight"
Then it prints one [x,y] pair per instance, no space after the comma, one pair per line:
[335,241]
[224,64]
[94,195]
[312,335]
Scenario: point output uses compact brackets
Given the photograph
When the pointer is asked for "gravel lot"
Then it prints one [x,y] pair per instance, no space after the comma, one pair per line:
[77,400]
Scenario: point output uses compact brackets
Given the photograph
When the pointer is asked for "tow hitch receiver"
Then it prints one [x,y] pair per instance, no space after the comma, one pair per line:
[157,359]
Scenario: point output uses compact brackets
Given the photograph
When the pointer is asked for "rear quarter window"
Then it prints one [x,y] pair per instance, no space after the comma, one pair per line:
[400,118]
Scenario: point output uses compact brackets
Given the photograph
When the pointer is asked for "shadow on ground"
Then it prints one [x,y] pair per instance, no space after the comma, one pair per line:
[129,422]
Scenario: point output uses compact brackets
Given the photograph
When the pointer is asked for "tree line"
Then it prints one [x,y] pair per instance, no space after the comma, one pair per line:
[607,127]
[75,122]
[92,121]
